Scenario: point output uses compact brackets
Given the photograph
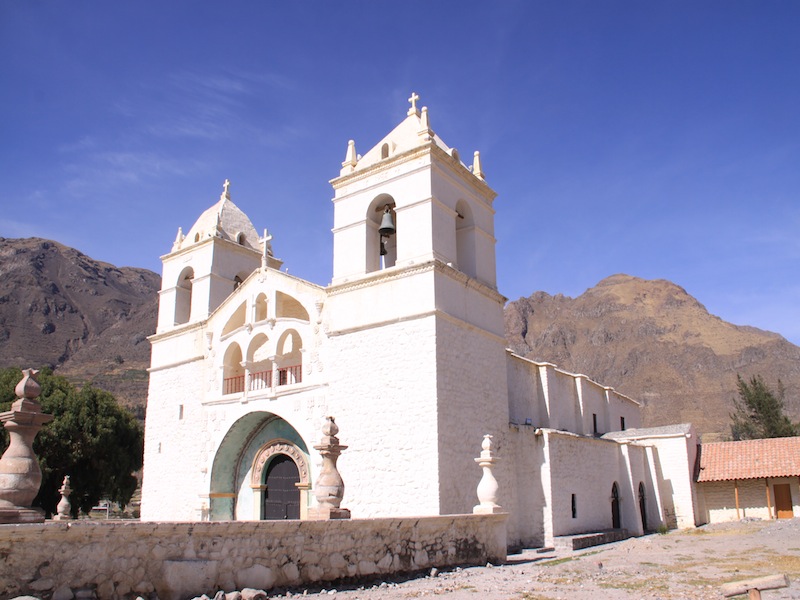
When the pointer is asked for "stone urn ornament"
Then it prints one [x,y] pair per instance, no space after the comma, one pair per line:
[329,488]
[64,507]
[487,488]
[20,475]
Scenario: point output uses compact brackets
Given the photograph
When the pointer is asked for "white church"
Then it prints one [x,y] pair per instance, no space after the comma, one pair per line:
[405,348]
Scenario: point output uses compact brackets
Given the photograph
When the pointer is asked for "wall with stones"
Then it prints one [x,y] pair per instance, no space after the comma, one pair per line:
[183,560]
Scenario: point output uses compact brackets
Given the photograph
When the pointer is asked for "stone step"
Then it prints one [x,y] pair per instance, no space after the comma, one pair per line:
[587,540]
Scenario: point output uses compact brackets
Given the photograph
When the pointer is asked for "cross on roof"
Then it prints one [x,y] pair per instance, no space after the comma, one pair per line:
[413,99]
[226,188]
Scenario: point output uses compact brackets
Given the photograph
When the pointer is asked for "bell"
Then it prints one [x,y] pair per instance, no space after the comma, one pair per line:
[387,225]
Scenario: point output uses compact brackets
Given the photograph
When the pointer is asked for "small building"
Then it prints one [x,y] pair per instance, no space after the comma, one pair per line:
[750,478]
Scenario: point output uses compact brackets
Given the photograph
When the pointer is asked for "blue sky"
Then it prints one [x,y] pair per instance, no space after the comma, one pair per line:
[657,139]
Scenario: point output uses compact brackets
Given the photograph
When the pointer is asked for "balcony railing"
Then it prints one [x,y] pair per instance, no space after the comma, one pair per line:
[289,375]
[233,385]
[262,380]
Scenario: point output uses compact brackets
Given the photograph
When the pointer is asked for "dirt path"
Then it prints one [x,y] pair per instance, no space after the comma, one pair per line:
[682,564]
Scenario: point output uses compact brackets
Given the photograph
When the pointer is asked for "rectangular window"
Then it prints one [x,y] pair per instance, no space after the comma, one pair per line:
[180,411]
[594,422]
[622,423]
[574,507]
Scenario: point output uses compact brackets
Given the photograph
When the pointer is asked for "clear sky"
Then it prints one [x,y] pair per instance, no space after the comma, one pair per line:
[657,139]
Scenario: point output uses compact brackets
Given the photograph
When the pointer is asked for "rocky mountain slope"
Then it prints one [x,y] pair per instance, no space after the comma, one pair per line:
[88,319]
[648,339]
[654,342]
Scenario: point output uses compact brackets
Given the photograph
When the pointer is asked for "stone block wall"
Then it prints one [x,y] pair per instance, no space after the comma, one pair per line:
[183,560]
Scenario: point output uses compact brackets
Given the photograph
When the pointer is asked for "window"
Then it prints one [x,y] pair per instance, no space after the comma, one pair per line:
[385,151]
[622,423]
[594,423]
[180,411]
[574,507]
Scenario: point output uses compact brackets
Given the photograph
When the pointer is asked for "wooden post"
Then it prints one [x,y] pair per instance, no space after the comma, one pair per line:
[769,502]
[736,494]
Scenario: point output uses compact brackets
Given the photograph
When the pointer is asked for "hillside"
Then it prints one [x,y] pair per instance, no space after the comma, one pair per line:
[87,319]
[656,343]
[648,339]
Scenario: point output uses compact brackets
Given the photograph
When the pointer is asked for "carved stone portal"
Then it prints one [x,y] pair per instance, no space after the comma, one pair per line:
[329,489]
[20,475]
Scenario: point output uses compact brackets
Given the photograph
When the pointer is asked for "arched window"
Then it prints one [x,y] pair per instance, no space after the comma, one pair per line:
[236,320]
[289,358]
[240,239]
[385,151]
[465,239]
[616,521]
[260,308]
[183,296]
[643,506]
[233,371]
[382,228]
[259,356]
[287,307]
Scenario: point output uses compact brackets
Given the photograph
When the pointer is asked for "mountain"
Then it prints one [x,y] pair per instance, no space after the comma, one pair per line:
[657,344]
[87,319]
[648,339]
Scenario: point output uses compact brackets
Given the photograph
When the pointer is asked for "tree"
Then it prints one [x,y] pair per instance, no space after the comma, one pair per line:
[94,440]
[759,412]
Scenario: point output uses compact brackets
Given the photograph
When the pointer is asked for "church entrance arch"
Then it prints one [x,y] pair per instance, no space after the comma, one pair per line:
[279,477]
[616,522]
[281,498]
[242,462]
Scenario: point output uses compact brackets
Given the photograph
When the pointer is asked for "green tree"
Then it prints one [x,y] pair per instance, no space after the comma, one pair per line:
[94,440]
[759,412]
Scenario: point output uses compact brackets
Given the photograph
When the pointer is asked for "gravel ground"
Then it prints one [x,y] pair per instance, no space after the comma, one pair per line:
[681,564]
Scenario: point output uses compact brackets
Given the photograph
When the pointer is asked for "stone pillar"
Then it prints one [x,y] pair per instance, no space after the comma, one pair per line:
[20,475]
[487,488]
[64,507]
[329,489]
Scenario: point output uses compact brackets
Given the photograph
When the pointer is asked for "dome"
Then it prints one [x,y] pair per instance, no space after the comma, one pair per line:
[225,220]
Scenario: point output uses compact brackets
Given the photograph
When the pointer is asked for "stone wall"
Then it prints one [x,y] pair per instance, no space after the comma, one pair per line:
[183,560]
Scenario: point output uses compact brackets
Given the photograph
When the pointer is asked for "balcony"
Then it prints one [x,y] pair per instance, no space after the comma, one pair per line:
[262,380]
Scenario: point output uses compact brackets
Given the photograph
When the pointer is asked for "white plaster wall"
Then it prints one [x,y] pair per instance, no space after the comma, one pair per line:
[586,467]
[563,400]
[383,394]
[525,399]
[472,401]
[523,497]
[173,459]
[622,406]
[720,498]
[676,456]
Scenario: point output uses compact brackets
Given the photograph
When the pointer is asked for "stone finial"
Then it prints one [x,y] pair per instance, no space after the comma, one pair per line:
[329,488]
[64,507]
[176,245]
[487,488]
[413,100]
[20,475]
[425,131]
[350,158]
[476,166]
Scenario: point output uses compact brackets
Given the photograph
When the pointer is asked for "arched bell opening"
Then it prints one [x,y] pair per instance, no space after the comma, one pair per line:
[244,467]
[381,242]
[183,296]
[465,239]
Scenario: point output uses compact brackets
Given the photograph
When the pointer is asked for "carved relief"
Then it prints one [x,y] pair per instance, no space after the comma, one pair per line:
[278,446]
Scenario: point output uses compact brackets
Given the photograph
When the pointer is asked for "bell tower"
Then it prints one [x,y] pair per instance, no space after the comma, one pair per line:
[414,301]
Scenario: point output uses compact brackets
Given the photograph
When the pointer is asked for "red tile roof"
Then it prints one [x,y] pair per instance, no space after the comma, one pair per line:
[750,459]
